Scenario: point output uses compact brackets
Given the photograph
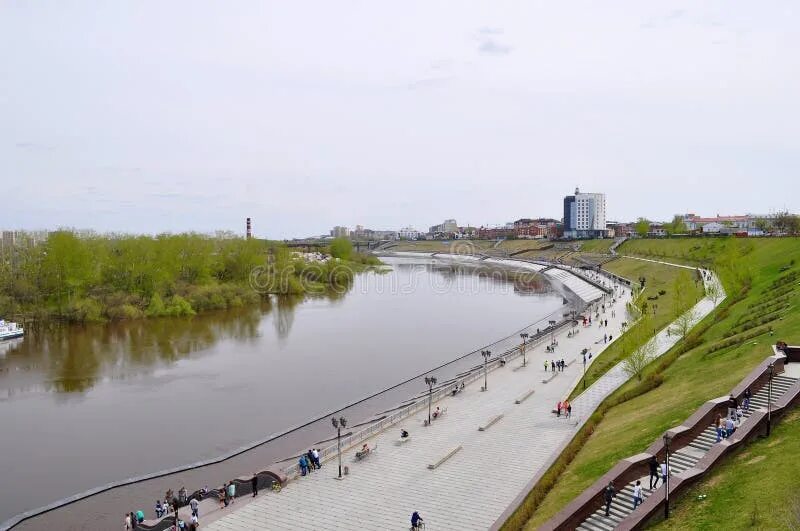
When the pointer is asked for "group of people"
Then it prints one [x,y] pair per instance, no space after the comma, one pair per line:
[169,507]
[564,406]
[227,494]
[555,364]
[726,426]
[309,461]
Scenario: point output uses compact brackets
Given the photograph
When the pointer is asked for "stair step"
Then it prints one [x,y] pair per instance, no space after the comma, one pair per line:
[600,522]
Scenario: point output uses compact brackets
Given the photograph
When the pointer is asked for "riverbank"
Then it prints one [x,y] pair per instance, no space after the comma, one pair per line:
[100,278]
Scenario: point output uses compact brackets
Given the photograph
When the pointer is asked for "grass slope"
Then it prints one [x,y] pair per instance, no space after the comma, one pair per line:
[757,269]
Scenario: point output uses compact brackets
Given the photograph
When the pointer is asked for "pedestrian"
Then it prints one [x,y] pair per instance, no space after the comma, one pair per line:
[134,523]
[552,365]
[608,495]
[194,505]
[637,494]
[718,427]
[569,409]
[128,522]
[545,365]
[182,495]
[254,484]
[606,323]
[159,510]
[730,427]
[315,452]
[558,409]
[222,494]
[664,473]
[303,464]
[232,491]
[563,364]
[732,405]
[416,520]
[310,459]
[747,395]
[605,338]
[610,338]
[653,464]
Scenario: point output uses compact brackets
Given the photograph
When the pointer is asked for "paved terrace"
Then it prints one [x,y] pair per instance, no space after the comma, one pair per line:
[472,488]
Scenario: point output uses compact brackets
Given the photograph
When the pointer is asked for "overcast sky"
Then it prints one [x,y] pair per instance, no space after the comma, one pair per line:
[154,116]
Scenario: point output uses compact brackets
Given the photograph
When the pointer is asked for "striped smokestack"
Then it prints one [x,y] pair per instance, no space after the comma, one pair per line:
[249,229]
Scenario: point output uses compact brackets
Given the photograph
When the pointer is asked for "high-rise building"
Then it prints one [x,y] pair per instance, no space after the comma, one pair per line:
[585,215]
[340,232]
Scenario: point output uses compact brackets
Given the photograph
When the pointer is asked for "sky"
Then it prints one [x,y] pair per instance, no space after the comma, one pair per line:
[153,116]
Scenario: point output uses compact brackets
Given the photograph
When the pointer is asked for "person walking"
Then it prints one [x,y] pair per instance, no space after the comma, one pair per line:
[558,409]
[232,491]
[637,494]
[718,426]
[128,522]
[310,458]
[608,496]
[569,409]
[605,338]
[303,465]
[664,472]
[553,365]
[223,496]
[653,464]
[730,427]
[747,396]
[315,454]
[545,365]
[194,505]
[732,405]
[254,484]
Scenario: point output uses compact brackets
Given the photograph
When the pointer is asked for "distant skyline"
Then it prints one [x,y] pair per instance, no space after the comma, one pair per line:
[149,117]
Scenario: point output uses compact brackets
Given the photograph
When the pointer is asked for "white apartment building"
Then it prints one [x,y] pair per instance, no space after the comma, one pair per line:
[408,233]
[585,215]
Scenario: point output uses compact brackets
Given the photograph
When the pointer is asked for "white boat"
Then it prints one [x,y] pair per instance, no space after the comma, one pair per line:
[10,330]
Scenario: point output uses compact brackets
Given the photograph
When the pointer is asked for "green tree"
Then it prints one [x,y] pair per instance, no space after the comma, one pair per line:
[341,248]
[676,226]
[642,227]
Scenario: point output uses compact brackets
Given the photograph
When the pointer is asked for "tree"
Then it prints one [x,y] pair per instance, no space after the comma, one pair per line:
[676,226]
[341,248]
[684,322]
[713,292]
[642,227]
[681,292]
[642,348]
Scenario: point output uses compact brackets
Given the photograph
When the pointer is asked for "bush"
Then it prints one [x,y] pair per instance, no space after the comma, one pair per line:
[179,307]
[84,310]
[123,312]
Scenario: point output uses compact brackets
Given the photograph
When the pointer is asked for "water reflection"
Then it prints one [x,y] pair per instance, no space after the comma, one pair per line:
[74,358]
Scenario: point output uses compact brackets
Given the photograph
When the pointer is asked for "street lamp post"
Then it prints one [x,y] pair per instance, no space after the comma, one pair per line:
[339,423]
[667,439]
[584,368]
[430,382]
[485,354]
[769,397]
[524,337]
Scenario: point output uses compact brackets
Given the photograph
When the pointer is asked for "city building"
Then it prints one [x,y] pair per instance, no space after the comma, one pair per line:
[408,233]
[340,232]
[723,224]
[448,228]
[536,228]
[585,215]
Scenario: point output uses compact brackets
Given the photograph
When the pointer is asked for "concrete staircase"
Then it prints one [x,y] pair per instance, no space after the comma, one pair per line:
[679,460]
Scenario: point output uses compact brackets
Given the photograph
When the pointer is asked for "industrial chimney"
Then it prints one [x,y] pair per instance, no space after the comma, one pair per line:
[249,229]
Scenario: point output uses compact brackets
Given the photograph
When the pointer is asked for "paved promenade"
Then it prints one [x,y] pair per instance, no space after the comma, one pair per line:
[473,487]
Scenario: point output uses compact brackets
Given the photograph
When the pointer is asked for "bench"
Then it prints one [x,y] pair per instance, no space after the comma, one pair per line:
[524,397]
[447,456]
[547,380]
[489,424]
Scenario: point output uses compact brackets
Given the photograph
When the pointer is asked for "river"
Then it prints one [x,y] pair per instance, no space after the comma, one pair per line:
[81,406]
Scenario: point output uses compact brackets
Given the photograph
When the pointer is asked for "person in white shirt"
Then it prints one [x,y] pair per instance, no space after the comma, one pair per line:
[664,472]
[637,494]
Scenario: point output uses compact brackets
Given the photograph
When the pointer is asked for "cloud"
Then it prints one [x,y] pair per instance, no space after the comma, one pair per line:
[492,47]
[663,20]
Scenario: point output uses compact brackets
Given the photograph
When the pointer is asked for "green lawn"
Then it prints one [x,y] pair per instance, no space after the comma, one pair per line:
[441,246]
[658,277]
[696,376]
[596,246]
